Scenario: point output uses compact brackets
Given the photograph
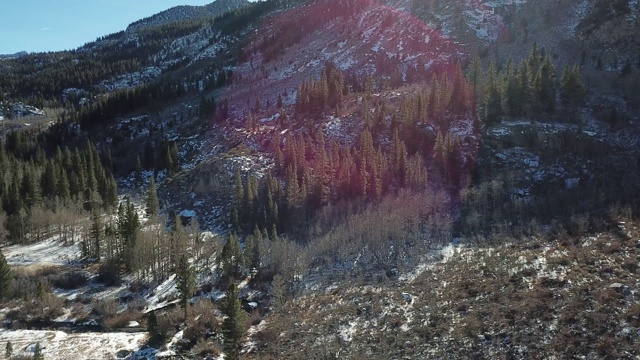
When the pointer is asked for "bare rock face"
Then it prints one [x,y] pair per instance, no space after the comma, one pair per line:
[612,25]
[622,289]
[619,33]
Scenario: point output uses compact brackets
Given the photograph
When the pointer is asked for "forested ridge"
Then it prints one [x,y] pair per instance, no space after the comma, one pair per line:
[211,209]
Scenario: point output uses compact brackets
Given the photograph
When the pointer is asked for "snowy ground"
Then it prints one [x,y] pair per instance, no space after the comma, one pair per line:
[164,295]
[61,345]
[48,252]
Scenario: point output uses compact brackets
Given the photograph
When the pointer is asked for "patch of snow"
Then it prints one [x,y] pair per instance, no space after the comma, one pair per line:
[187,213]
[20,110]
[462,129]
[130,80]
[62,345]
[347,331]
[523,192]
[49,252]
[163,295]
[270,119]
[346,63]
[378,46]
[571,183]
[501,132]
[533,162]
[580,11]
[448,252]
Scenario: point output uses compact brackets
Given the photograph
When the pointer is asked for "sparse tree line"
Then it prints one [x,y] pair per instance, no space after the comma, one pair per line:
[314,96]
[124,244]
[151,96]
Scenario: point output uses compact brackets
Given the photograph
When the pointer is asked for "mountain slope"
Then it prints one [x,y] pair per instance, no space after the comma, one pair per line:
[362,38]
[380,212]
[564,296]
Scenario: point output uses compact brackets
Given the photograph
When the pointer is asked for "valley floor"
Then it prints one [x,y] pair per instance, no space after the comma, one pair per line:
[556,296]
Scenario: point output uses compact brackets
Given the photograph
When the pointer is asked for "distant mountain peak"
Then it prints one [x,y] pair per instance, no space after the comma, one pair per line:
[187,12]
[13,56]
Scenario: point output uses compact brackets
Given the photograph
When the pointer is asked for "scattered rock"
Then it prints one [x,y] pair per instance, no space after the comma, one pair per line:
[625,333]
[622,289]
[123,354]
[407,297]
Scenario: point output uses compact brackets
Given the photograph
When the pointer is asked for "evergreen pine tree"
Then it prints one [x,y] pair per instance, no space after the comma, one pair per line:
[186,283]
[175,156]
[459,91]
[111,196]
[525,88]
[252,249]
[30,186]
[237,212]
[129,224]
[545,86]
[230,259]
[138,174]
[234,324]
[572,90]
[533,62]
[512,94]
[8,350]
[62,188]
[178,239]
[48,181]
[152,202]
[476,76]
[97,233]
[250,201]
[493,103]
[274,232]
[157,335]
[292,189]
[5,277]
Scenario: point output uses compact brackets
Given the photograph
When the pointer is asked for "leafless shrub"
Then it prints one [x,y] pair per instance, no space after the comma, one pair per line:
[206,349]
[120,320]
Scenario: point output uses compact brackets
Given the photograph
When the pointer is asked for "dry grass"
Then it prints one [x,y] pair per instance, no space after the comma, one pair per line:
[543,298]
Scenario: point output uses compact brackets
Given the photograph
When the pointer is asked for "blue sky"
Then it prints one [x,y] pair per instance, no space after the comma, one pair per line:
[53,25]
